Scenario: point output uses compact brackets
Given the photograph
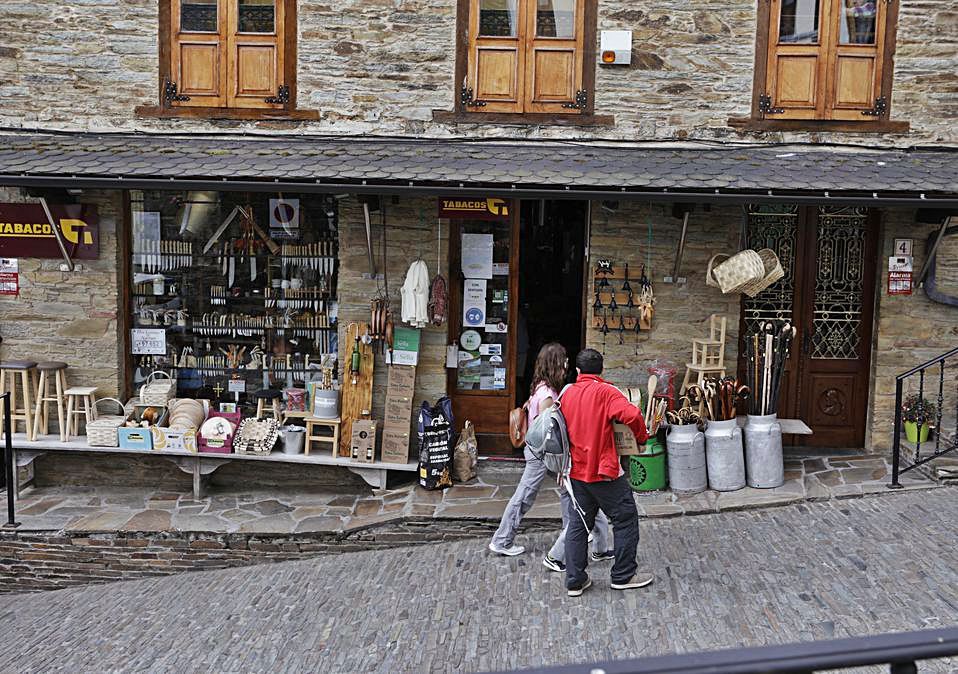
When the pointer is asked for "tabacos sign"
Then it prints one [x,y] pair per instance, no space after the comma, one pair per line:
[26,232]
[461,208]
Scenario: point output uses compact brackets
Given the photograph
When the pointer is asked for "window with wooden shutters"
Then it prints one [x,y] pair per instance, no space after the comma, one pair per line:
[525,56]
[827,60]
[227,57]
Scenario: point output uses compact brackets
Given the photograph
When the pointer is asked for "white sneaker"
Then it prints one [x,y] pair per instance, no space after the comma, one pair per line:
[511,551]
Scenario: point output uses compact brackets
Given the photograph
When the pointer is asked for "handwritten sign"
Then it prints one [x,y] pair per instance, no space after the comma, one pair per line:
[148,342]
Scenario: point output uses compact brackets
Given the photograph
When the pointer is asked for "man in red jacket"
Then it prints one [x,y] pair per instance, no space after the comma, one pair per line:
[596,476]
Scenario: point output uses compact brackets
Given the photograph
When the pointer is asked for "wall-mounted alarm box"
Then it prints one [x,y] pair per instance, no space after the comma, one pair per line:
[615,47]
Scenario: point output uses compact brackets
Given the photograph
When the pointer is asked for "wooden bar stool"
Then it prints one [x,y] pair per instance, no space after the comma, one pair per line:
[28,386]
[312,423]
[261,398]
[80,402]
[41,418]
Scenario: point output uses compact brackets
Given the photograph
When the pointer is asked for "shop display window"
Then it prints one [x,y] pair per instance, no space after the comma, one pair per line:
[233,293]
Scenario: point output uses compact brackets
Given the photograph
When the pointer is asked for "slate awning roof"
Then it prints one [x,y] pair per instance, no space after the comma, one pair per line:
[145,159]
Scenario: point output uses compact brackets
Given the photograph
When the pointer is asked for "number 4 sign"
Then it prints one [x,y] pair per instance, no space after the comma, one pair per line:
[903,247]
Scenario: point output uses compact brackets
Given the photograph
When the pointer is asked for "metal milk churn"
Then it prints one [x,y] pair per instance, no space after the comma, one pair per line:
[763,452]
[686,454]
[725,456]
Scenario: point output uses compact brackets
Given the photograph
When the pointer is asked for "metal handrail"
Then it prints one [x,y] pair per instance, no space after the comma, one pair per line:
[898,650]
[896,464]
[8,463]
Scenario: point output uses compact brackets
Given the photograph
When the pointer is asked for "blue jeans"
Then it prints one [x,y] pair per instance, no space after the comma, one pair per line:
[522,501]
[600,537]
[616,500]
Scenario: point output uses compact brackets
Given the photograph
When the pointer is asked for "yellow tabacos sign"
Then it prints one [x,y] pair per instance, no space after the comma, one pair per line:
[491,208]
[25,231]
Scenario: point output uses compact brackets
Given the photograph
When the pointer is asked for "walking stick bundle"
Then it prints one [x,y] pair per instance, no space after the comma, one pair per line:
[767,354]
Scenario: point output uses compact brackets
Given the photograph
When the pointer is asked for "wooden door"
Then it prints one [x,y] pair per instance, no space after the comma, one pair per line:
[796,58]
[497,54]
[480,391]
[829,256]
[856,58]
[256,52]
[554,35]
[199,34]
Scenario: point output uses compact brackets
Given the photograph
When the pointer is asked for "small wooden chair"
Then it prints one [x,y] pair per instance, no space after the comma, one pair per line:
[81,402]
[55,371]
[708,355]
[27,370]
[312,423]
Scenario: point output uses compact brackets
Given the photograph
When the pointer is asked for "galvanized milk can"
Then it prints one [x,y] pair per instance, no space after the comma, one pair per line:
[724,455]
[763,452]
[687,473]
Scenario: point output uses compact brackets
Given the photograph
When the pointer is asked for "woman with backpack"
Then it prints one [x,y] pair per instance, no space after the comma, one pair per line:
[548,380]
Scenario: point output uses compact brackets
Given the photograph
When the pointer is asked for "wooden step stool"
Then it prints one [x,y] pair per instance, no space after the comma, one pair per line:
[80,402]
[332,440]
[41,418]
[27,369]
[272,395]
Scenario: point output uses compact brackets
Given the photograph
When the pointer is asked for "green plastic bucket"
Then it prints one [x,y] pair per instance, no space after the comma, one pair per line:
[647,470]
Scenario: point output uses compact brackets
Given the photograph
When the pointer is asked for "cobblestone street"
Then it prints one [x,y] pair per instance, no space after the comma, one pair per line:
[801,572]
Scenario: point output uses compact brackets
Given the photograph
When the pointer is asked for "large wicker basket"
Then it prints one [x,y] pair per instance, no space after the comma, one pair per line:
[735,272]
[101,432]
[157,391]
[773,273]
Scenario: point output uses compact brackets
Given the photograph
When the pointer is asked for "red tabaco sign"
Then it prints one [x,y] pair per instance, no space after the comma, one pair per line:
[26,232]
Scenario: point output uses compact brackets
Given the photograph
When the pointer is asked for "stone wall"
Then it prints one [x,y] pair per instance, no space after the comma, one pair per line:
[69,316]
[910,330]
[412,231]
[682,311]
[382,67]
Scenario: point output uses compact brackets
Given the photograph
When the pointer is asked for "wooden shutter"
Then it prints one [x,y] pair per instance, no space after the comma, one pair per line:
[855,69]
[256,53]
[197,67]
[496,56]
[553,68]
[796,70]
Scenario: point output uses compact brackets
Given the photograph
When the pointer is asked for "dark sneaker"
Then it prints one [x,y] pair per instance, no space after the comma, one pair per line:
[577,591]
[635,582]
[553,564]
[606,556]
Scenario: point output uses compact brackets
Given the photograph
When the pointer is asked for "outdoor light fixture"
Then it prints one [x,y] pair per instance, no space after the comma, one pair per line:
[615,47]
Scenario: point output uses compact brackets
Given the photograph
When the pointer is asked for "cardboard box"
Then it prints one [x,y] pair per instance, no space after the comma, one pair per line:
[363,443]
[396,445]
[135,438]
[174,439]
[402,380]
[398,411]
[625,443]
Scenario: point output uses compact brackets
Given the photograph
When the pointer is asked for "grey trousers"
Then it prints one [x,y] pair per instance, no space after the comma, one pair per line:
[600,533]
[522,501]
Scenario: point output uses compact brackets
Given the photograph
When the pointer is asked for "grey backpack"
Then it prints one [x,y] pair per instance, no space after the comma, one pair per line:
[548,438]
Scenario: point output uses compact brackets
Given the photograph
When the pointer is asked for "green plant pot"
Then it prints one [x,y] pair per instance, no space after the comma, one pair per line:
[647,470]
[913,434]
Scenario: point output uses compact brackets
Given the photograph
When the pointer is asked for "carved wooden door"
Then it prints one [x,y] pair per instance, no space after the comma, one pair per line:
[829,255]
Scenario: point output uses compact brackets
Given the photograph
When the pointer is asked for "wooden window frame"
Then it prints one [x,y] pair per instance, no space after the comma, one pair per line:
[460,114]
[759,122]
[288,112]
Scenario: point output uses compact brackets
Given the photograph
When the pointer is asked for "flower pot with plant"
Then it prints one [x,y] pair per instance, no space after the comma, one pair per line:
[917,412]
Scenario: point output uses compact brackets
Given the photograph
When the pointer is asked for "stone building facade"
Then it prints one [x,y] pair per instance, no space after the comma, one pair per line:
[384,68]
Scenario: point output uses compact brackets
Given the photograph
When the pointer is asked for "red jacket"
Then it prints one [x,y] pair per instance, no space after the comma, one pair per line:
[589,407]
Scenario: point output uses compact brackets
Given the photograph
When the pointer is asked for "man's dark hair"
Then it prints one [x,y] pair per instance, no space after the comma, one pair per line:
[589,361]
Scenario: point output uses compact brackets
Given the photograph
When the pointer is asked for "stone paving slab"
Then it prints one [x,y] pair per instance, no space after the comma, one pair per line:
[834,569]
[283,512]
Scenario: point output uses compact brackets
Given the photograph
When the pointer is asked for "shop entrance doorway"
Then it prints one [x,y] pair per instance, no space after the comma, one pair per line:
[551,267]
[829,255]
[516,284]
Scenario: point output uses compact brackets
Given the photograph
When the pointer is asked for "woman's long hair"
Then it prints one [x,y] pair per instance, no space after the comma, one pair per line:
[551,365]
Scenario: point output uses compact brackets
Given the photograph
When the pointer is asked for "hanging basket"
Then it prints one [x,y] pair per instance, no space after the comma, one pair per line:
[735,272]
[773,273]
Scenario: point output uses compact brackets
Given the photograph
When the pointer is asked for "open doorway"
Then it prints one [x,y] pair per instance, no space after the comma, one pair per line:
[552,238]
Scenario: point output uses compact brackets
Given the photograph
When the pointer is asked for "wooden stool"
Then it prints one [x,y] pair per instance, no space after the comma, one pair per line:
[77,397]
[41,418]
[261,398]
[28,386]
[331,424]
[293,414]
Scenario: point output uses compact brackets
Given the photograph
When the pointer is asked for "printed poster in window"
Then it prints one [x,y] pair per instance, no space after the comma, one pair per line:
[477,256]
[9,276]
[468,373]
[474,303]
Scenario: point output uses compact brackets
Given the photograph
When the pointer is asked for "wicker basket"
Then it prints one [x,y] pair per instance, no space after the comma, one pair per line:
[735,272]
[157,391]
[101,432]
[256,436]
[773,273]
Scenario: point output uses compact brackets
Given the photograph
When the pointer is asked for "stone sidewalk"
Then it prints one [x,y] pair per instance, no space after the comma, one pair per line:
[278,511]
[803,572]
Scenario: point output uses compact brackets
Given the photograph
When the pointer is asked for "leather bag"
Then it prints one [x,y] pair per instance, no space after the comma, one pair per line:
[518,425]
